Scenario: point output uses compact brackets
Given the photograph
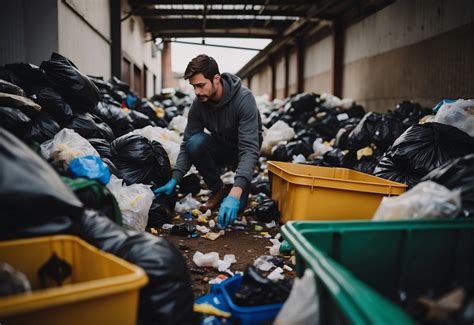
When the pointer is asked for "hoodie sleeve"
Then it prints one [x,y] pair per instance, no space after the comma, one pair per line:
[183,162]
[248,141]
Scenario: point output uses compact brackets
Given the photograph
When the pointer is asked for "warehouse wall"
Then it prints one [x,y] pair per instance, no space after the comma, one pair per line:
[136,49]
[280,79]
[318,66]
[84,35]
[28,30]
[411,49]
[421,50]
[292,74]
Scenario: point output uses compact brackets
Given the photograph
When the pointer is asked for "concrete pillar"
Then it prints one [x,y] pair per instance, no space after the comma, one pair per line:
[116,37]
[274,76]
[300,56]
[166,73]
[287,70]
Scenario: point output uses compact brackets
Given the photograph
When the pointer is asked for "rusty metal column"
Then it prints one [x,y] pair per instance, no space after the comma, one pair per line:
[166,72]
[116,37]
[274,76]
[300,56]
[338,58]
[287,70]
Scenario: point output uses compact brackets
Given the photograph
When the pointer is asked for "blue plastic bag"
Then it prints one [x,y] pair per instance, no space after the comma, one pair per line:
[441,103]
[91,167]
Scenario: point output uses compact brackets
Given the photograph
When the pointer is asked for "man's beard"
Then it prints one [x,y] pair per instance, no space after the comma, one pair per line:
[203,98]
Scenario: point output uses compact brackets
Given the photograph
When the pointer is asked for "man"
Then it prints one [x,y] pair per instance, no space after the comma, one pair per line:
[227,110]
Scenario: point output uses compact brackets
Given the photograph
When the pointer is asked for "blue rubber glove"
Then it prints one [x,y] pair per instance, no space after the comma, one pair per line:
[228,211]
[167,189]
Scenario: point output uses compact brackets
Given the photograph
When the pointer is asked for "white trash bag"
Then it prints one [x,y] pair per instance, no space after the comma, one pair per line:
[459,114]
[134,202]
[427,200]
[66,146]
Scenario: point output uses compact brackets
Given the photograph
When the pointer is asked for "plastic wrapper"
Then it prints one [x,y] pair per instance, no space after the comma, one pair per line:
[188,203]
[91,167]
[427,200]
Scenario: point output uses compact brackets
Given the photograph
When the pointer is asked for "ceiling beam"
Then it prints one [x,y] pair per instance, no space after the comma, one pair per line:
[156,13]
[231,32]
[223,2]
[180,24]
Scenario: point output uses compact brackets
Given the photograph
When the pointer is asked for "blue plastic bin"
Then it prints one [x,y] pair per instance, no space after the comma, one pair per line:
[222,298]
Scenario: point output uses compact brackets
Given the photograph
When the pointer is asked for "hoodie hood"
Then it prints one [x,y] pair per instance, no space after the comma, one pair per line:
[231,84]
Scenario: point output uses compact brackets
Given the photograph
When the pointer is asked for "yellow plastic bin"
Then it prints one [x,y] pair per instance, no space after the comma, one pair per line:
[305,192]
[102,289]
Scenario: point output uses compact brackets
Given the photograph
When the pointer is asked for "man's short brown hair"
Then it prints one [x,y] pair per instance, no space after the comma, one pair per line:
[202,64]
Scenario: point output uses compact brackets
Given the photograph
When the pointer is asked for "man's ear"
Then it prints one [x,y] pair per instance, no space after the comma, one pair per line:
[217,78]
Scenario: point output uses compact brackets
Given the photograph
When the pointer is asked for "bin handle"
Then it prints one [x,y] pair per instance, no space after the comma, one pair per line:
[312,184]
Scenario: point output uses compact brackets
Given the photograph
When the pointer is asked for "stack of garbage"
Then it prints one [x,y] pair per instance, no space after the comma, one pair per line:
[82,156]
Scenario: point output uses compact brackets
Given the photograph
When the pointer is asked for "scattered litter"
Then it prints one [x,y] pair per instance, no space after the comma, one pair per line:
[153,231]
[242,222]
[287,268]
[182,229]
[263,263]
[187,204]
[276,274]
[275,249]
[212,260]
[271,224]
[167,226]
[258,228]
[212,223]
[214,235]
[197,271]
[218,279]
[202,229]
[196,212]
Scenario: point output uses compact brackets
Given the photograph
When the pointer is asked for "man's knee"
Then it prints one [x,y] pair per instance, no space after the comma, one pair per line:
[196,143]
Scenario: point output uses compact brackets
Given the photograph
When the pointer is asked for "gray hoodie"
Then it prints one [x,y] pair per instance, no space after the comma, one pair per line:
[234,121]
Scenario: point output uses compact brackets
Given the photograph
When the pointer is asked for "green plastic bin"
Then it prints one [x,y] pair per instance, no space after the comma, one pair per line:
[360,266]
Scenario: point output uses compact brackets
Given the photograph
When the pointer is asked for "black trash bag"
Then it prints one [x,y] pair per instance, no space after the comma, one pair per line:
[272,119]
[355,111]
[257,290]
[54,272]
[102,146]
[279,153]
[53,103]
[168,297]
[342,136]
[9,88]
[302,103]
[55,226]
[103,86]
[267,211]
[457,173]
[42,128]
[260,184]
[298,147]
[362,135]
[140,160]
[366,165]
[25,75]
[337,158]
[78,90]
[170,113]
[387,130]
[24,104]
[327,125]
[30,190]
[182,229]
[113,169]
[147,108]
[410,110]
[422,148]
[307,136]
[101,232]
[15,121]
[118,84]
[118,96]
[91,126]
[190,184]
[120,121]
[160,213]
[140,120]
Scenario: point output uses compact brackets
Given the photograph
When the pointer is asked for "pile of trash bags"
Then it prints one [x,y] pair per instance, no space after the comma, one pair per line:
[81,156]
[403,145]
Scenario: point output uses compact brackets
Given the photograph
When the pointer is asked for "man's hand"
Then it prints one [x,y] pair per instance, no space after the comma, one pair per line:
[167,189]
[228,211]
